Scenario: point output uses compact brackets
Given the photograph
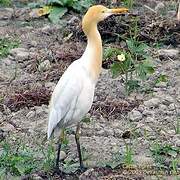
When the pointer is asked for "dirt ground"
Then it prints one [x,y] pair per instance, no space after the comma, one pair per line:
[30,72]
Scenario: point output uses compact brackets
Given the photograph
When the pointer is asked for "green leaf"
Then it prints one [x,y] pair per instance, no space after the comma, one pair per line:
[172,153]
[56,13]
[133,85]
[34,5]
[144,68]
[54,2]
[131,45]
[162,78]
[117,69]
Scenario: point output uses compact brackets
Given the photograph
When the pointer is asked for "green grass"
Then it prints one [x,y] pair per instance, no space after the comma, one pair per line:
[163,152]
[19,159]
[6,45]
[5,2]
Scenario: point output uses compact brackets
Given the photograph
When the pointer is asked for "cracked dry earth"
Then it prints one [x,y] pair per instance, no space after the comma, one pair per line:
[139,120]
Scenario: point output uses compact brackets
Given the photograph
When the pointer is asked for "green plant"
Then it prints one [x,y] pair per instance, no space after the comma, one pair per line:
[19,159]
[128,156]
[161,152]
[57,8]
[6,45]
[5,2]
[129,3]
[136,66]
[161,78]
[177,127]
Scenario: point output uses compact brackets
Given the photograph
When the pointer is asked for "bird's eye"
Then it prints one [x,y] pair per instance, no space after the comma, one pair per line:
[103,11]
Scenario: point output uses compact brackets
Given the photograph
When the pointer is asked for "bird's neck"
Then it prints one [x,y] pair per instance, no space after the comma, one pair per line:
[93,53]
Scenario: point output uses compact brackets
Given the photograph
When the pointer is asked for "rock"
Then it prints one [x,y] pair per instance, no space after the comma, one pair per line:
[135,115]
[40,110]
[141,108]
[176,140]
[172,107]
[89,173]
[50,85]
[6,13]
[45,65]
[20,54]
[36,177]
[160,6]
[31,114]
[8,127]
[154,102]
[143,161]
[162,107]
[148,112]
[172,53]
[167,100]
[62,155]
[171,13]
[149,119]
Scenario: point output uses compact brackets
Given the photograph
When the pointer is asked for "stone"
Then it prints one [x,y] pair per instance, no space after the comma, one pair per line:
[6,13]
[154,102]
[45,65]
[148,112]
[135,115]
[62,155]
[162,85]
[141,108]
[50,85]
[172,107]
[172,53]
[143,161]
[19,54]
[176,140]
[8,127]
[160,6]
[149,119]
[167,100]
[31,114]
[162,107]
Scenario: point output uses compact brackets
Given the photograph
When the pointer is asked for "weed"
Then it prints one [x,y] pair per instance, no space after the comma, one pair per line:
[136,64]
[6,45]
[129,3]
[162,152]
[128,156]
[5,2]
[21,160]
[57,8]
[177,127]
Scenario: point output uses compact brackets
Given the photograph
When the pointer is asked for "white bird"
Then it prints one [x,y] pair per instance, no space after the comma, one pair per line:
[73,95]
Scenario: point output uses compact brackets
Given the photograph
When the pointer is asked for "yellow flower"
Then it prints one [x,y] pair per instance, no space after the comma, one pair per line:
[121,57]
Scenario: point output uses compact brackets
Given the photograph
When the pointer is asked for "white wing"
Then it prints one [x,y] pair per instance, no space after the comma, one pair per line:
[66,91]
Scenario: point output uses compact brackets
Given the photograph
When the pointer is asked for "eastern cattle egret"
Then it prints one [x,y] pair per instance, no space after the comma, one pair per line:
[73,95]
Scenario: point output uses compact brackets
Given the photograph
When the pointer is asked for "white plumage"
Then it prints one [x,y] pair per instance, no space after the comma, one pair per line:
[72,97]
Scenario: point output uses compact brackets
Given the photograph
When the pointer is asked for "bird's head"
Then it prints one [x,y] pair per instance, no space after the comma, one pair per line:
[98,13]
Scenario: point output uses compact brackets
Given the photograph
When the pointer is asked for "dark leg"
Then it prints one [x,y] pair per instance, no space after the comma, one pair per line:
[78,147]
[57,170]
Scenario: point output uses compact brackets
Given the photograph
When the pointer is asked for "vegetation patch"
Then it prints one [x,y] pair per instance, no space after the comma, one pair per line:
[6,45]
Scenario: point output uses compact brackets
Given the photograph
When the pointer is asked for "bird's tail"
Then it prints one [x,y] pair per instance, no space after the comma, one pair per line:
[53,121]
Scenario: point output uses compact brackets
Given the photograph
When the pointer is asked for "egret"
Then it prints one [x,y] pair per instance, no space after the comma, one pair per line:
[73,95]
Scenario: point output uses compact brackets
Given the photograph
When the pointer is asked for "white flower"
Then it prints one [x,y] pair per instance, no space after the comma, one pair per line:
[121,57]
